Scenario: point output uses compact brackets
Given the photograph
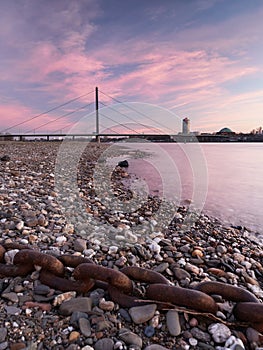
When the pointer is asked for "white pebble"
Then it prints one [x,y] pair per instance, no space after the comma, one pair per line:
[118,345]
[89,253]
[113,249]
[131,238]
[221,315]
[20,225]
[119,238]
[28,312]
[158,257]
[64,296]
[193,341]
[61,239]
[182,261]
[232,342]
[219,332]
[154,247]
[96,242]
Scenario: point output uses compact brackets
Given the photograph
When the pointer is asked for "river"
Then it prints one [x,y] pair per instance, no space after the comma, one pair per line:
[224,180]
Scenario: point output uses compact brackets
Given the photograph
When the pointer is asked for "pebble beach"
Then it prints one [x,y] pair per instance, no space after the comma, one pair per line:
[36,316]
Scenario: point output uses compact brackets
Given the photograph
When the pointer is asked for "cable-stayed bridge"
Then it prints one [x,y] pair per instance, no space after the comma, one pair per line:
[106,117]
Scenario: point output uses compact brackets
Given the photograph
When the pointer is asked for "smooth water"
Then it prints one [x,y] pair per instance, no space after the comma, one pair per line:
[224,180]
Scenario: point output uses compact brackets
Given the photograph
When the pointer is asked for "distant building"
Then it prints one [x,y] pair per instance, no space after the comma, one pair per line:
[186,126]
[225,131]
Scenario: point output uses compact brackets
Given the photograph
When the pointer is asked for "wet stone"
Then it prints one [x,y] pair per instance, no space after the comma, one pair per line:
[104,344]
[141,314]
[12,310]
[80,245]
[192,268]
[180,274]
[42,289]
[161,268]
[3,334]
[125,315]
[11,297]
[129,337]
[77,304]
[4,345]
[75,316]
[200,335]
[173,323]
[149,331]
[84,326]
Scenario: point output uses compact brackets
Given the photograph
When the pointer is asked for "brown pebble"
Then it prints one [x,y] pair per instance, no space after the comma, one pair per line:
[193,322]
[197,253]
[106,305]
[99,335]
[17,346]
[74,336]
[42,306]
[217,272]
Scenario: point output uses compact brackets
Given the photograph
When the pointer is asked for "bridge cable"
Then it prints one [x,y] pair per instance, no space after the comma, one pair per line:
[133,109]
[62,116]
[130,118]
[125,126]
[50,110]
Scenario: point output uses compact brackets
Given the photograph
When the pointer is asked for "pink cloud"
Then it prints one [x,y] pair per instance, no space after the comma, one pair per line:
[188,72]
[15,114]
[11,114]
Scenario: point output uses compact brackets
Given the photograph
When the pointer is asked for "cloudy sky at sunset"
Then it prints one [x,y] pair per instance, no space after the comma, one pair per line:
[197,58]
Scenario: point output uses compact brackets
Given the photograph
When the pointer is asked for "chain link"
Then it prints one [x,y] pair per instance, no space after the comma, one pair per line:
[120,284]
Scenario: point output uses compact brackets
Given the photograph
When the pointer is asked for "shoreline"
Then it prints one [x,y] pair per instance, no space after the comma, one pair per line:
[185,255]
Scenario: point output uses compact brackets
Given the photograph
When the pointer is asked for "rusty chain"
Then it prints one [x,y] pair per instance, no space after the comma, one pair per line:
[120,284]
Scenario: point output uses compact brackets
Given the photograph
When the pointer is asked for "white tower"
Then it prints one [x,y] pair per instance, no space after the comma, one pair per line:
[186,126]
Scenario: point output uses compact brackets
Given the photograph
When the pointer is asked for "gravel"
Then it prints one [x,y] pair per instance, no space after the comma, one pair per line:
[36,316]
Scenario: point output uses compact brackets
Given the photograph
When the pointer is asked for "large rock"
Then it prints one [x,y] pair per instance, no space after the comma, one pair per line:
[141,314]
[76,304]
[123,164]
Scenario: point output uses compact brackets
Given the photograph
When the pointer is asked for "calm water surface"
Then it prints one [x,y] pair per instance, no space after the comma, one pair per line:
[224,180]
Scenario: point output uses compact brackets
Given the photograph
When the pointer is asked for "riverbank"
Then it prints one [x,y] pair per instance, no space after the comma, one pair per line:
[31,313]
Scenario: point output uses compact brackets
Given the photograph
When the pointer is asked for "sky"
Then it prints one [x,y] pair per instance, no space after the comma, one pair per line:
[201,59]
